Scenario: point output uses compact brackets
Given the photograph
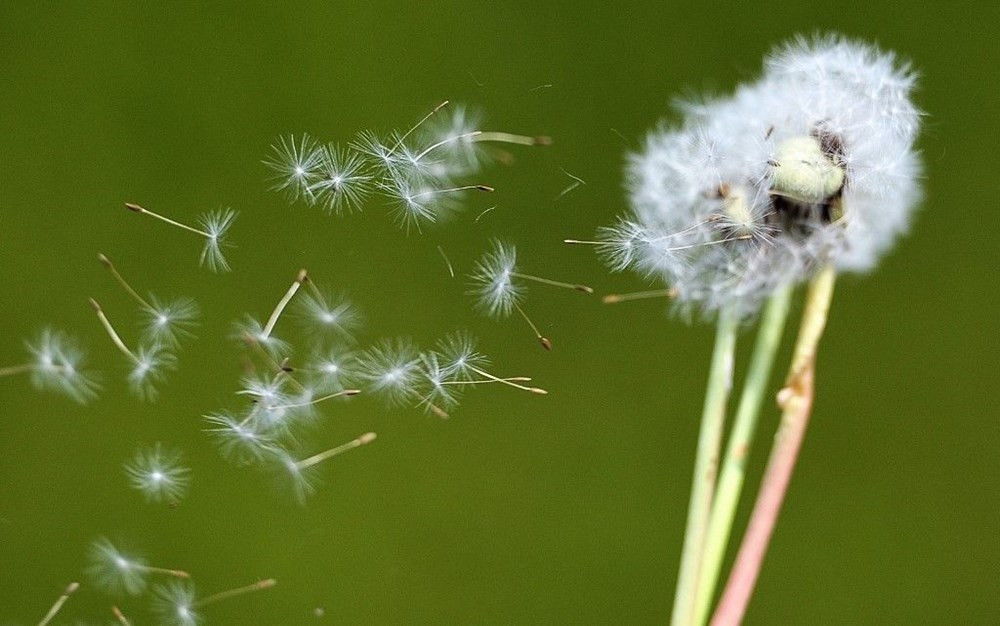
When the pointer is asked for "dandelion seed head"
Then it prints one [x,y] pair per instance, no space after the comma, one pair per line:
[158,473]
[391,369]
[174,603]
[296,165]
[216,225]
[237,438]
[113,571]
[341,182]
[170,322]
[329,314]
[810,165]
[58,366]
[492,280]
[152,362]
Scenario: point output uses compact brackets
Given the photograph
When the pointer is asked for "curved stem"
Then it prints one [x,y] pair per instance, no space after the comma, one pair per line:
[733,472]
[705,465]
[223,595]
[796,400]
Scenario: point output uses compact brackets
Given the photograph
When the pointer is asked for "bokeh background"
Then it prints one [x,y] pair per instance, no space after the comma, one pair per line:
[519,509]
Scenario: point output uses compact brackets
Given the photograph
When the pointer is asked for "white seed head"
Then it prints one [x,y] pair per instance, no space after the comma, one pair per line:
[492,281]
[158,473]
[58,365]
[812,164]
[174,603]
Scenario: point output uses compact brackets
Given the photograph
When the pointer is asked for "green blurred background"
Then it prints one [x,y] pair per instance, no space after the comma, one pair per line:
[520,509]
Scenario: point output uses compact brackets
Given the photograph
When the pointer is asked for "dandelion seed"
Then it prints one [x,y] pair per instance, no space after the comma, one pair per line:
[333,369]
[341,182]
[297,166]
[117,573]
[157,473]
[417,203]
[57,365]
[496,292]
[177,604]
[238,440]
[301,471]
[213,227]
[149,362]
[327,313]
[70,590]
[165,323]
[464,364]
[391,368]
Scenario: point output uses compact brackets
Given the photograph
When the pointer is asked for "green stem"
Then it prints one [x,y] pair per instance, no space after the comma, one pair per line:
[795,400]
[706,465]
[733,472]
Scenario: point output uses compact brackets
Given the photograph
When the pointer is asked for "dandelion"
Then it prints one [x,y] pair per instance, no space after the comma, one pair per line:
[391,368]
[57,606]
[177,604]
[239,439]
[57,365]
[117,573]
[341,182]
[465,365]
[163,322]
[255,334]
[327,313]
[213,227]
[157,472]
[149,362]
[497,292]
[296,165]
[415,203]
[332,369]
[300,471]
[809,171]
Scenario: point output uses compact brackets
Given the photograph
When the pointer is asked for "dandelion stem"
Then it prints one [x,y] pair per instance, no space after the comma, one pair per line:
[115,338]
[445,142]
[487,382]
[434,192]
[524,140]
[615,298]
[176,573]
[70,590]
[120,616]
[106,262]
[554,283]
[795,400]
[506,381]
[332,452]
[138,209]
[418,125]
[271,321]
[339,394]
[224,595]
[543,340]
[16,369]
[706,465]
[733,472]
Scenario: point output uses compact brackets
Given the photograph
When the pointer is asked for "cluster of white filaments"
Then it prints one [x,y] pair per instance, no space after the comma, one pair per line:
[274,430]
[56,364]
[811,165]
[423,173]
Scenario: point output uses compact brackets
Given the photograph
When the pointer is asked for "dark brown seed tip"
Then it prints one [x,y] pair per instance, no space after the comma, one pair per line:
[583,288]
[104,260]
[484,188]
[134,207]
[351,392]
[543,140]
[303,276]
[545,343]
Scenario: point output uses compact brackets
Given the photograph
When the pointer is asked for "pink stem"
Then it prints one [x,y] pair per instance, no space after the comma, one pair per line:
[788,441]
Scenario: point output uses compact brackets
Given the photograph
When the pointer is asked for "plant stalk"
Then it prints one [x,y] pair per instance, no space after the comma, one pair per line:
[795,400]
[706,465]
